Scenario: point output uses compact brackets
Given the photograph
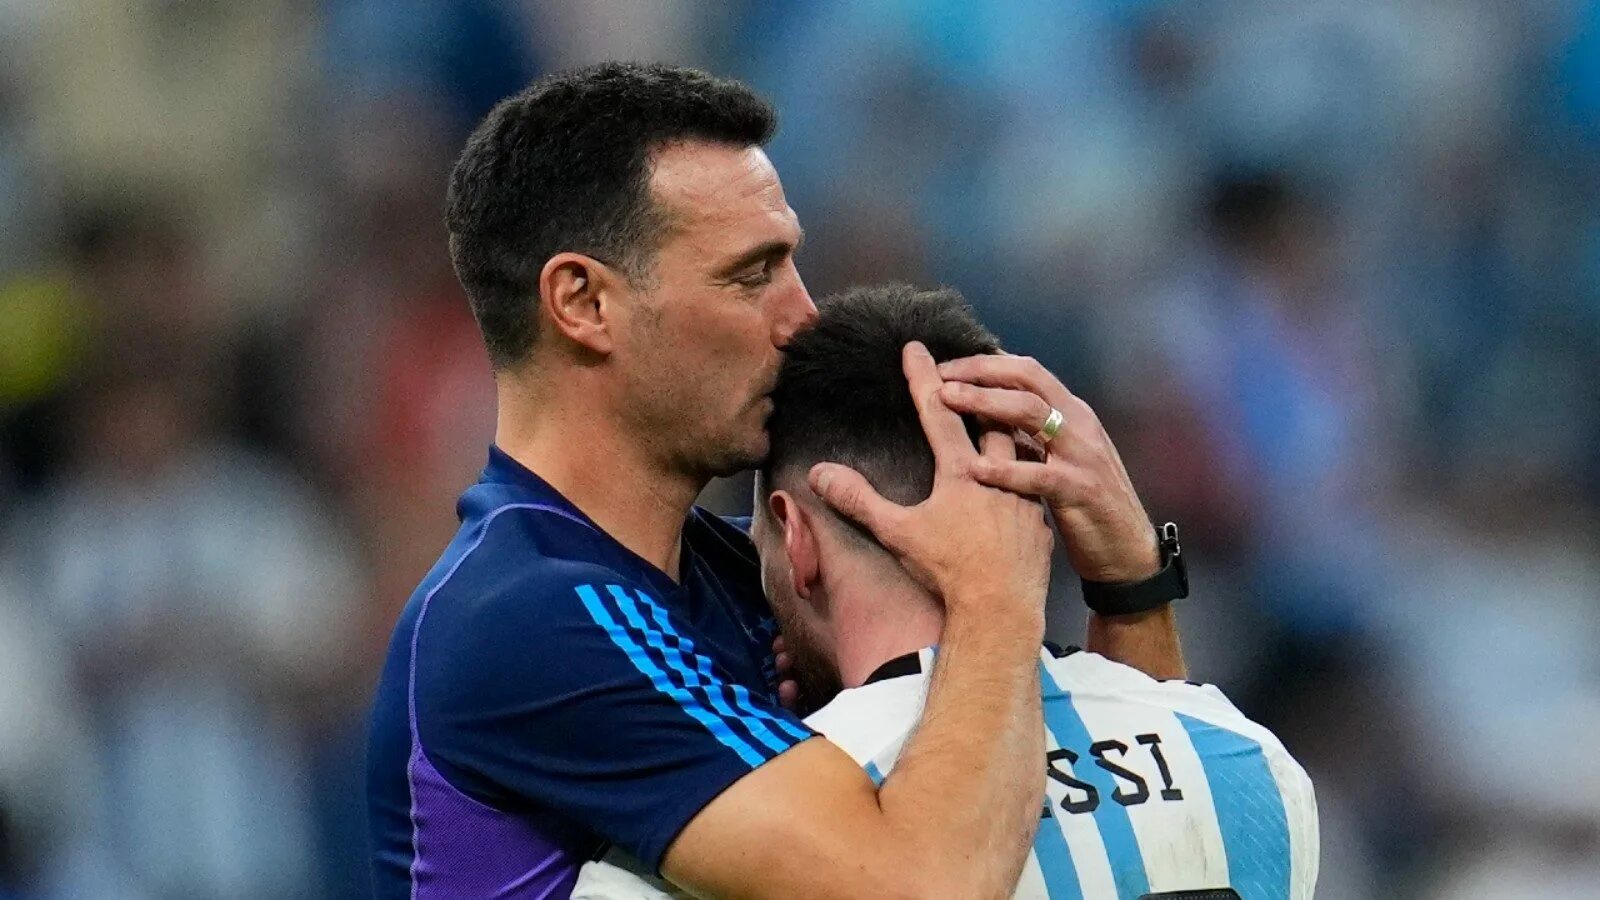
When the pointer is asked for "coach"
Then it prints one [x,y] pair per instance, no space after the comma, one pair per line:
[590,660]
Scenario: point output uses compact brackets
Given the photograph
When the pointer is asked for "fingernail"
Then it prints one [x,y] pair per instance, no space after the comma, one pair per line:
[823,476]
[919,348]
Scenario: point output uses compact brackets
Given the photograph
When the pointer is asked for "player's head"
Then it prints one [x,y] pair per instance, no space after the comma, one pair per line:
[842,397]
[619,231]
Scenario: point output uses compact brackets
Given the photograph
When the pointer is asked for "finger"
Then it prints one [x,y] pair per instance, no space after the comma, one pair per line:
[844,489]
[782,662]
[997,445]
[943,428]
[1001,370]
[777,644]
[1058,486]
[1023,410]
[789,695]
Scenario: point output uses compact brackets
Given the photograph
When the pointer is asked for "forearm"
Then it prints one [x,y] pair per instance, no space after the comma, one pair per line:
[1146,641]
[966,792]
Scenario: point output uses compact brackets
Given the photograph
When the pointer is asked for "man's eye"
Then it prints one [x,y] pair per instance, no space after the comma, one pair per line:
[755,279]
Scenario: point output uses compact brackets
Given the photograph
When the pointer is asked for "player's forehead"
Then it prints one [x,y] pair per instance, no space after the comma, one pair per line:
[720,197]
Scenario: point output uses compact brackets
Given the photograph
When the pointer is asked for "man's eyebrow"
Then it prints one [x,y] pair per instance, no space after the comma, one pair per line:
[765,250]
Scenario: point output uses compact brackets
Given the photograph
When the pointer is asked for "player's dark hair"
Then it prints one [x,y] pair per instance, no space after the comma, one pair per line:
[841,394]
[565,166]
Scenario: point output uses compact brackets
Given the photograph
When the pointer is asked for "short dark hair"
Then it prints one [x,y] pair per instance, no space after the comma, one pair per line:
[841,395]
[565,166]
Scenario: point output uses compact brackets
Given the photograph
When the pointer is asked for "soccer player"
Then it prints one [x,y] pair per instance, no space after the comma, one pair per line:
[590,660]
[1156,788]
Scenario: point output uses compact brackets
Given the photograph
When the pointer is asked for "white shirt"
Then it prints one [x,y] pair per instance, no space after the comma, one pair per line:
[1154,786]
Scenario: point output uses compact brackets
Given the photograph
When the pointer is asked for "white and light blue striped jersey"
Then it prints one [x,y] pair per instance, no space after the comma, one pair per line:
[1154,788]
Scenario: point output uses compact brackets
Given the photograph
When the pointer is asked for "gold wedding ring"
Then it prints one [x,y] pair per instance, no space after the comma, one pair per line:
[1051,427]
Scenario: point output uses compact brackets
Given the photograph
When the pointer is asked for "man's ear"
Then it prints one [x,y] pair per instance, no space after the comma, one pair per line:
[799,541]
[576,293]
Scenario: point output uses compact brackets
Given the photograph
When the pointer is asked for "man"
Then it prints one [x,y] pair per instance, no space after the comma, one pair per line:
[1157,788]
[589,662]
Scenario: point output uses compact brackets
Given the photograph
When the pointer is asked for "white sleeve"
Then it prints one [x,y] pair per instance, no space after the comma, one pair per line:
[1294,784]
[871,722]
[1101,680]
[620,877]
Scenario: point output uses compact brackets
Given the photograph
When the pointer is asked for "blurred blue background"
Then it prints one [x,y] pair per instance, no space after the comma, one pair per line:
[1330,272]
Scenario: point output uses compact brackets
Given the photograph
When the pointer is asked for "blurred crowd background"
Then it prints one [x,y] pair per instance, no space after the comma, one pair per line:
[1330,272]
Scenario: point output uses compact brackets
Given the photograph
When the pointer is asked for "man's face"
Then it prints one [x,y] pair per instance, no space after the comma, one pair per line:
[702,347]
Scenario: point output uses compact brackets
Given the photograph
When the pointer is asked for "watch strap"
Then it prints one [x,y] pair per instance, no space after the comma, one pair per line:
[1169,583]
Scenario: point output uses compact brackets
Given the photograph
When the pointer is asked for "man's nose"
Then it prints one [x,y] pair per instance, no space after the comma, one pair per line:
[799,312]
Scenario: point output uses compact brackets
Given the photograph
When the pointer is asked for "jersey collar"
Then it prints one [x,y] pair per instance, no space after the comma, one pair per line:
[503,469]
[911,663]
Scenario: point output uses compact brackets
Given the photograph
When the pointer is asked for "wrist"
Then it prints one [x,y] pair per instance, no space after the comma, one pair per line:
[1140,562]
[1000,611]
[1169,582]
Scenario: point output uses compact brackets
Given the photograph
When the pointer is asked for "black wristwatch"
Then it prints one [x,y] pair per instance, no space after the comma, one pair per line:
[1169,583]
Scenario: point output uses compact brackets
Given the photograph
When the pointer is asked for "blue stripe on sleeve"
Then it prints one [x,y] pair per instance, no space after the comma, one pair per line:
[700,676]
[674,660]
[741,696]
[1111,817]
[1250,812]
[642,661]
[875,773]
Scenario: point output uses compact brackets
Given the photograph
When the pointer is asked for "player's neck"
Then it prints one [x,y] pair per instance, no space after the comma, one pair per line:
[879,621]
[602,471]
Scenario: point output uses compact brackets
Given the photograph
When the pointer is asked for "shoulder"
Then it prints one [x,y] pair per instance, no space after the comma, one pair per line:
[523,551]
[1087,671]
[722,536]
[866,721]
[511,589]
[1203,710]
[1090,673]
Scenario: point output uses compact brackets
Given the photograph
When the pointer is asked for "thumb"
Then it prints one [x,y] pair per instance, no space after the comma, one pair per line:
[851,496]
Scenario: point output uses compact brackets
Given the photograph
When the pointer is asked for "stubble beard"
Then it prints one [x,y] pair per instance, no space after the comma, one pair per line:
[728,451]
[814,673]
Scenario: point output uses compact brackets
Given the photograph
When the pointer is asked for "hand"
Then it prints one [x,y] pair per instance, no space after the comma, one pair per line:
[1106,530]
[965,540]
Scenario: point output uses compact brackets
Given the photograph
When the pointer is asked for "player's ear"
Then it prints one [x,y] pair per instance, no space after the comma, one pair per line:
[575,294]
[799,541]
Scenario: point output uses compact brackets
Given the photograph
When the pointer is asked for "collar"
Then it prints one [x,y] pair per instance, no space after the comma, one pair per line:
[911,663]
[503,470]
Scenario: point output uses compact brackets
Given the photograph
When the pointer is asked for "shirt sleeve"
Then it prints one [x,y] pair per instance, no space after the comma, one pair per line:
[621,877]
[576,692]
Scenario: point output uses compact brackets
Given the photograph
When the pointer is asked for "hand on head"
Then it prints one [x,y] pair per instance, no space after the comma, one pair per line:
[966,539]
[1107,533]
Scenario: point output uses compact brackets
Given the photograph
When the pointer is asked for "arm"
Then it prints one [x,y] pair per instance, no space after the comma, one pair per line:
[1147,641]
[1108,535]
[957,816]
